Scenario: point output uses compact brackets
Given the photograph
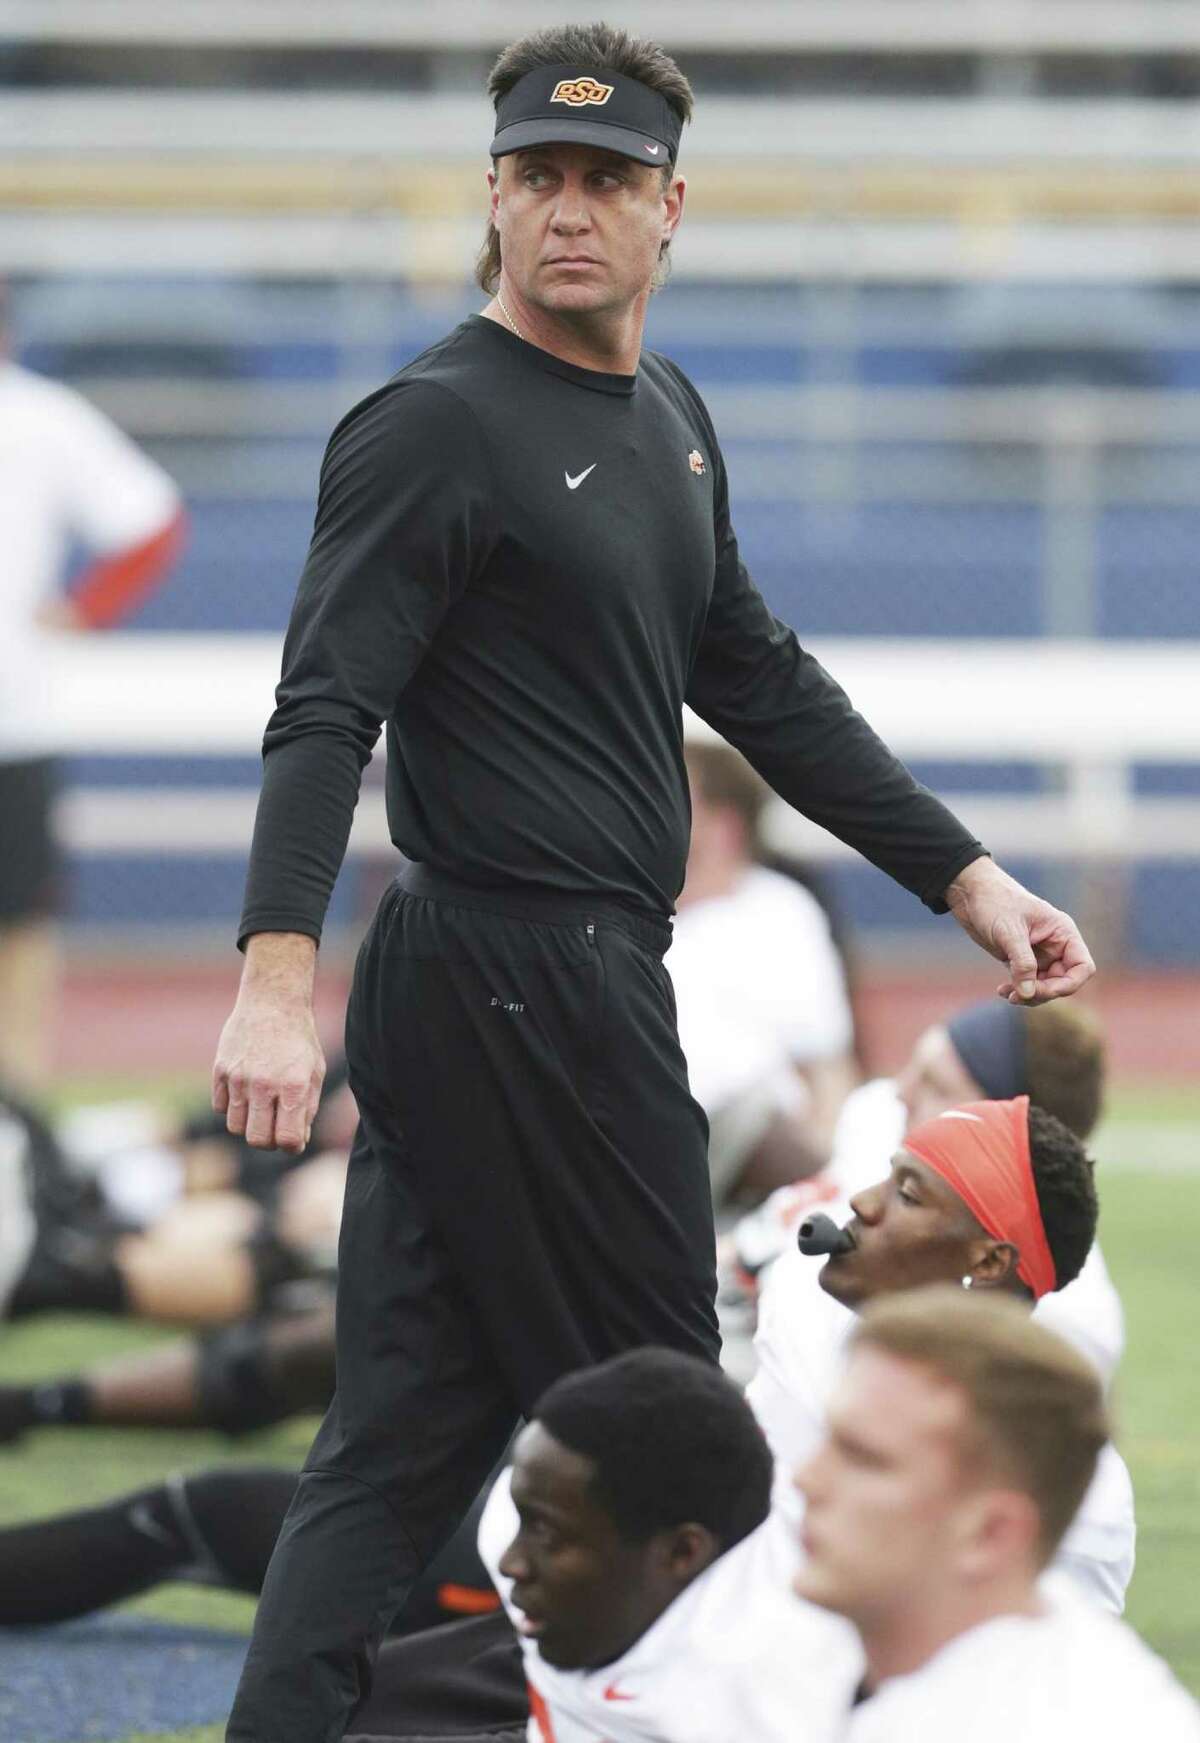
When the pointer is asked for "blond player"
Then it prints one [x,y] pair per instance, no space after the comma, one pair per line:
[960,1443]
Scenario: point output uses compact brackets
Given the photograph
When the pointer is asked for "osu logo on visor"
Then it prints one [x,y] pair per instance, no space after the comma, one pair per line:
[578,91]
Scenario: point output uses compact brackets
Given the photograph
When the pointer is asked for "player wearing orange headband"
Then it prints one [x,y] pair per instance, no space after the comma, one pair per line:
[966,1200]
[987,1050]
[993,1195]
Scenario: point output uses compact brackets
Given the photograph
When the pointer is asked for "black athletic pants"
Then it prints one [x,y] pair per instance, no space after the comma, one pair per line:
[527,1194]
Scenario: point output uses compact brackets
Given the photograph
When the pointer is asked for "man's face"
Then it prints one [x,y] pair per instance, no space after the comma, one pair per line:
[909,1229]
[934,1079]
[586,1592]
[581,228]
[887,1505]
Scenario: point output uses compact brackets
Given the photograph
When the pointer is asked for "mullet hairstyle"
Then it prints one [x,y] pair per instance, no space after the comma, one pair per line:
[1036,1415]
[596,47]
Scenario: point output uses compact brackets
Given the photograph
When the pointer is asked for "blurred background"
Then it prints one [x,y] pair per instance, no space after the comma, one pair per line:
[939,282]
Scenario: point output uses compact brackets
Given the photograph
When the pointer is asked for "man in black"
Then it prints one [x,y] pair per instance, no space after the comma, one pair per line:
[523,562]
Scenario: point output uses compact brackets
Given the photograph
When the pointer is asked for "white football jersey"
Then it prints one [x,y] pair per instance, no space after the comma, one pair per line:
[736,1655]
[67,476]
[758,984]
[1072,1673]
[800,1346]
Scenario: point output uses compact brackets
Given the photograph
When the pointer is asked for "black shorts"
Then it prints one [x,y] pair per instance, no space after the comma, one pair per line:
[29,858]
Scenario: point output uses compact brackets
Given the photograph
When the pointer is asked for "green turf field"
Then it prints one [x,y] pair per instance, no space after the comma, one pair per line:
[1151,1234]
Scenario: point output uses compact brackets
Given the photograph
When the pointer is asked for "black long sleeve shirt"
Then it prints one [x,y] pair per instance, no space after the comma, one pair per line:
[525,569]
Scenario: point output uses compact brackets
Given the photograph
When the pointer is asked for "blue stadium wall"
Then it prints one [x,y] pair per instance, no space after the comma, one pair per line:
[903,568]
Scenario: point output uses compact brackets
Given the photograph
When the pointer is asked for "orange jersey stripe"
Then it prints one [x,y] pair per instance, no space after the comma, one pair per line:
[467,1600]
[113,585]
[541,1713]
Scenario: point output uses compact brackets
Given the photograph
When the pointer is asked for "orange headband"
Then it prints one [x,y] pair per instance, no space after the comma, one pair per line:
[982,1150]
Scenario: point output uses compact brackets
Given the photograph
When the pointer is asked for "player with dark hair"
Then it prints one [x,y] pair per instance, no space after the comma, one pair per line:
[1054,1055]
[1057,1216]
[995,1196]
[524,562]
[633,1546]
[710,1464]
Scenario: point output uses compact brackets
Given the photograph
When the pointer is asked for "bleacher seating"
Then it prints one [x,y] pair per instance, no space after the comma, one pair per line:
[936,284]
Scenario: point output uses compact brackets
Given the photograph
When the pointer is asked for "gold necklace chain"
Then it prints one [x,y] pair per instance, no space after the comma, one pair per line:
[508,317]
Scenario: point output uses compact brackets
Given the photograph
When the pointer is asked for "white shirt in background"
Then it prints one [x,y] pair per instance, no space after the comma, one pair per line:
[1073,1673]
[759,985]
[867,1136]
[736,1656]
[800,1345]
[760,990]
[67,477]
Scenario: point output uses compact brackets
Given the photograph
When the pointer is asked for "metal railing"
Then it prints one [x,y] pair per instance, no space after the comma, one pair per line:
[917,26]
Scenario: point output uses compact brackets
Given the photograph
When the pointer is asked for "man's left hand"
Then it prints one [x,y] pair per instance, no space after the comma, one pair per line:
[1041,947]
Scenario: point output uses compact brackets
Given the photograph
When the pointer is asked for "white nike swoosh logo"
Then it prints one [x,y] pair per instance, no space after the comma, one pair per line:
[143,1521]
[574,483]
[653,148]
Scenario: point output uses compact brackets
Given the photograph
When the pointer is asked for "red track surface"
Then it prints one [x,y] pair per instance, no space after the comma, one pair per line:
[136,1020]
[1152,1021]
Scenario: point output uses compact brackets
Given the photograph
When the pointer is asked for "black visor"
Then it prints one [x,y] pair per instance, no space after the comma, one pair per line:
[568,105]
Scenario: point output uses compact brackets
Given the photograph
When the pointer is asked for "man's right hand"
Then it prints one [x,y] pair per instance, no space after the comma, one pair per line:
[269,1068]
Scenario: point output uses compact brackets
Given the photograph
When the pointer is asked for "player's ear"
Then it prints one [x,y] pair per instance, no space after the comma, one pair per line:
[673,196]
[687,1550]
[994,1263]
[997,1528]
[493,182]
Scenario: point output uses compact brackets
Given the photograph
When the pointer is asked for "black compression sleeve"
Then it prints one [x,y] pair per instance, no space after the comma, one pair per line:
[219,1526]
[56,1568]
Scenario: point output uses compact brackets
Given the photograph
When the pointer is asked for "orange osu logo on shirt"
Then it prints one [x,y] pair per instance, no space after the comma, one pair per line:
[579,91]
[696,462]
